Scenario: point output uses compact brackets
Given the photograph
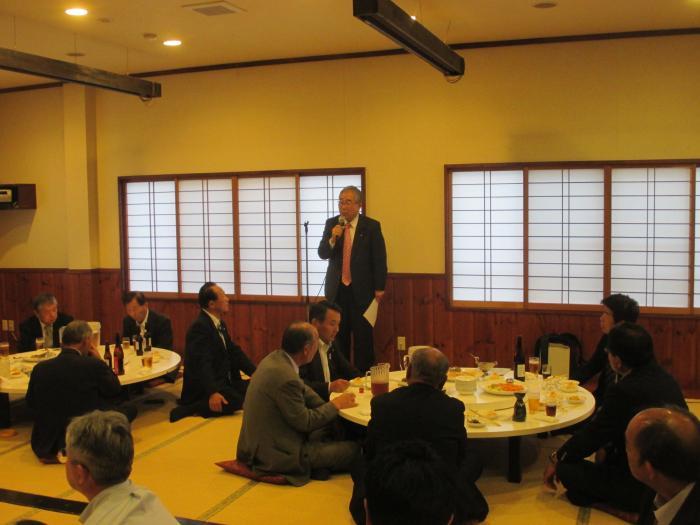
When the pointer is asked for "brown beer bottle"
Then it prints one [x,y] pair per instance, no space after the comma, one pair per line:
[519,360]
[107,356]
[118,357]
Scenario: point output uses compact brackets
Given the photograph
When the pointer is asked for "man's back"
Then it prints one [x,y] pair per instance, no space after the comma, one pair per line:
[127,504]
[418,411]
[64,387]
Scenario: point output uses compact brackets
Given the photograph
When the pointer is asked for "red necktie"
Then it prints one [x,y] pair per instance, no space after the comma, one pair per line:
[347,250]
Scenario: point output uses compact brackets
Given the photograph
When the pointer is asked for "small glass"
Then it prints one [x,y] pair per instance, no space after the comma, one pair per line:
[147,360]
[126,343]
[4,348]
[546,370]
[39,343]
[533,395]
[533,365]
[550,407]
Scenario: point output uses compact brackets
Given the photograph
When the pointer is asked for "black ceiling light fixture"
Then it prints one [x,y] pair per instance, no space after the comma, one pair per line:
[388,18]
[39,66]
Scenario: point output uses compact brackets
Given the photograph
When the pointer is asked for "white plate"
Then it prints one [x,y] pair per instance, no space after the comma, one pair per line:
[489,388]
[466,372]
[576,400]
[568,390]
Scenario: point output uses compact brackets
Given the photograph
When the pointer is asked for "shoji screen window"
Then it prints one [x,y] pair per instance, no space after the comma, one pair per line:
[267,214]
[151,236]
[206,233]
[651,235]
[318,200]
[487,236]
[566,236]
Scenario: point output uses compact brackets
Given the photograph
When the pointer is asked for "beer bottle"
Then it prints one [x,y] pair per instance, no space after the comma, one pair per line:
[519,360]
[118,357]
[139,345]
[108,356]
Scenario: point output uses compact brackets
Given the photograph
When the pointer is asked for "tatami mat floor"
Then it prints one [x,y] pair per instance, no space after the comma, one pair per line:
[177,462]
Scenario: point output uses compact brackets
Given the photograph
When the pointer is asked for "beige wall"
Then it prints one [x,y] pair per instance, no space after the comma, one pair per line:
[395,116]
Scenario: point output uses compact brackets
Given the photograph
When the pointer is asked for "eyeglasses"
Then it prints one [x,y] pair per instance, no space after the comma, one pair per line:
[345,202]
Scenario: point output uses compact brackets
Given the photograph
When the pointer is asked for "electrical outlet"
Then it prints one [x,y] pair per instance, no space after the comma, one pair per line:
[4,325]
[11,325]
[401,343]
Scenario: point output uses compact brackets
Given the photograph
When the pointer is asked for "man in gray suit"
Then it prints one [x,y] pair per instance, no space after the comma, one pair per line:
[285,423]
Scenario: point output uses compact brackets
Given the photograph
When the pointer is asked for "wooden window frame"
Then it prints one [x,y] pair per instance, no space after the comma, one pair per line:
[300,298]
[607,167]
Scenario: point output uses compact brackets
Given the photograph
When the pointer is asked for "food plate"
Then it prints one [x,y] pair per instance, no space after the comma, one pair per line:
[475,423]
[358,382]
[576,399]
[503,388]
[456,371]
[38,357]
[573,390]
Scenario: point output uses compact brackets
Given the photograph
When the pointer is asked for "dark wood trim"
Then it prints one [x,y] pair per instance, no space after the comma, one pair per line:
[243,174]
[31,87]
[566,164]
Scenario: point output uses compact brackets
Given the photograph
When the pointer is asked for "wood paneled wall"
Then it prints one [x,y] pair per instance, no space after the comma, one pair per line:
[415,307]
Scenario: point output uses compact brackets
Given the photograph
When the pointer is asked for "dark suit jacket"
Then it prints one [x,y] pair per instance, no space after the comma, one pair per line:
[644,387]
[64,387]
[209,365]
[30,329]
[688,514]
[368,262]
[598,363]
[157,325]
[338,366]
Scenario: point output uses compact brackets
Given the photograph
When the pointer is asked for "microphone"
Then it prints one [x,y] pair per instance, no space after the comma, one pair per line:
[342,221]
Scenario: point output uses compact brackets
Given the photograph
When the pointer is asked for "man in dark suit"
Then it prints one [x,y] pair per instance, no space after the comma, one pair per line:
[663,450]
[642,384]
[46,322]
[329,370]
[212,385]
[141,320]
[75,382]
[354,247]
[422,411]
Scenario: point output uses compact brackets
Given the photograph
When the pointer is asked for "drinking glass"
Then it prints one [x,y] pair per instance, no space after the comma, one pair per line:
[546,370]
[147,360]
[39,343]
[550,407]
[126,343]
[533,364]
[4,349]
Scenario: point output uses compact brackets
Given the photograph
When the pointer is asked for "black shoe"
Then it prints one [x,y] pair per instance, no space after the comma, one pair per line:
[321,474]
[177,413]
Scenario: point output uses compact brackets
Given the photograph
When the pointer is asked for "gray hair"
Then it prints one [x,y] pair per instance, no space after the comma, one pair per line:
[102,442]
[76,332]
[429,365]
[355,190]
[42,299]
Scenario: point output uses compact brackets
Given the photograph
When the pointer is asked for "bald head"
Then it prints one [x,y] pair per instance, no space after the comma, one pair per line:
[428,365]
[668,440]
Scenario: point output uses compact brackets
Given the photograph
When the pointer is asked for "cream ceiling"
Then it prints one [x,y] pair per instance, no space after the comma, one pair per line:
[111,35]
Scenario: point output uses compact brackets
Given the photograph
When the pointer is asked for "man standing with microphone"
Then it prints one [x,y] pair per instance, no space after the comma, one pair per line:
[354,247]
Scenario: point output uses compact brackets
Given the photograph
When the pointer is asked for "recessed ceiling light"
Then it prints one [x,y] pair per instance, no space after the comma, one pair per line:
[76,11]
[544,4]
[172,43]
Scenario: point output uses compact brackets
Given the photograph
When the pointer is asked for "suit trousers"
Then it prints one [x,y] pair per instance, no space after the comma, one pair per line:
[326,453]
[356,329]
[587,483]
[234,394]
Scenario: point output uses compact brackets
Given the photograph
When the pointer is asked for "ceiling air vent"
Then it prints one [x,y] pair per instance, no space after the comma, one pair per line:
[216,8]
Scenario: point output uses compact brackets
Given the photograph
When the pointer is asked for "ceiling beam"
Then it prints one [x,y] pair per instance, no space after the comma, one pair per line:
[388,18]
[36,65]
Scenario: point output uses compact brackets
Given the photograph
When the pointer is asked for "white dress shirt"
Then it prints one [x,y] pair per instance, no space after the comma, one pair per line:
[351,231]
[126,504]
[667,511]
[323,355]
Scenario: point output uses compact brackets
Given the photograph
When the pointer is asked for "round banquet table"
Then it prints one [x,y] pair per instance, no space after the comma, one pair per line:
[479,405]
[164,361]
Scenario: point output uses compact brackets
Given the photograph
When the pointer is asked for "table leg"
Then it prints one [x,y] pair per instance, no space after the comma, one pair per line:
[5,421]
[514,470]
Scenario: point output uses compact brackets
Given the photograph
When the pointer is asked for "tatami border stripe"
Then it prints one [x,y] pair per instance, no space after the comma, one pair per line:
[227,501]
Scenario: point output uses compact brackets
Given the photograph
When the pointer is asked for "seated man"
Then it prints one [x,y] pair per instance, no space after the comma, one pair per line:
[100,453]
[663,450]
[286,424]
[329,370]
[409,483]
[616,309]
[46,322]
[642,383]
[212,385]
[423,411]
[73,383]
[140,320]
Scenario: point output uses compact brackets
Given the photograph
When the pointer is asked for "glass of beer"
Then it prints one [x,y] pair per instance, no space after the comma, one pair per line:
[39,343]
[550,407]
[147,360]
[546,370]
[126,343]
[533,365]
[533,395]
